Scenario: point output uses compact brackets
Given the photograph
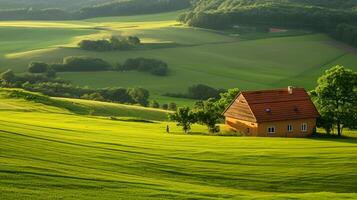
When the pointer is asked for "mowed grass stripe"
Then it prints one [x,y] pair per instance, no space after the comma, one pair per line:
[78,153]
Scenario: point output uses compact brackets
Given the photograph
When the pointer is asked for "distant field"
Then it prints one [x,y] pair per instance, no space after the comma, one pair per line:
[200,56]
[50,153]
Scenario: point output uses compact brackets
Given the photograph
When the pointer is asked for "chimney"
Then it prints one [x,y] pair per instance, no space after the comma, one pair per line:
[290,89]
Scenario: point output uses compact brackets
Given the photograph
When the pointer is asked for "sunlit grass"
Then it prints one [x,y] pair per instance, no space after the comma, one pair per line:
[48,152]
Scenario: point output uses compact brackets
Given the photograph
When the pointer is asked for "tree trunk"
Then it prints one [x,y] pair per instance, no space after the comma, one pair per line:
[339,130]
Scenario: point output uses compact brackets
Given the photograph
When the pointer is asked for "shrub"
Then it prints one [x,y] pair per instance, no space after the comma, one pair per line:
[38,67]
[156,67]
[81,63]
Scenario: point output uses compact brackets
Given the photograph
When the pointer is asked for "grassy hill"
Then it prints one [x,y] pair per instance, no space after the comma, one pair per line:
[50,153]
[218,59]
[20,100]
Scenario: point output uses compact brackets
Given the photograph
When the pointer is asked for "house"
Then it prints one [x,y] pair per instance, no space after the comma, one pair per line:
[281,113]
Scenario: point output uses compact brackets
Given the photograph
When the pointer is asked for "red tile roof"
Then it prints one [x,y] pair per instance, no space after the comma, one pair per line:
[276,105]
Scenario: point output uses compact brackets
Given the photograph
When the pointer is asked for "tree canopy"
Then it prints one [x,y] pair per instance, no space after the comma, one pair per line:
[336,98]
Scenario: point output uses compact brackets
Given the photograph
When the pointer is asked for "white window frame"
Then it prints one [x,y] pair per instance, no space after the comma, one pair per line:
[290,128]
[271,128]
[304,127]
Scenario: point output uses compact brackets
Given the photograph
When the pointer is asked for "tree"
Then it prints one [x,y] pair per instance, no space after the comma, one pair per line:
[134,40]
[154,104]
[227,98]
[38,67]
[165,106]
[7,77]
[209,115]
[336,97]
[51,73]
[139,95]
[184,117]
[172,106]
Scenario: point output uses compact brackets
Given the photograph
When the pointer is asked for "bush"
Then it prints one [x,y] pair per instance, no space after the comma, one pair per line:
[114,43]
[165,106]
[172,106]
[96,45]
[203,92]
[156,67]
[38,67]
[154,104]
[80,63]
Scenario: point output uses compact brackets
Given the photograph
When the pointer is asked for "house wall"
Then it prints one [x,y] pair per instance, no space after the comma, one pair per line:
[281,128]
[261,129]
[241,126]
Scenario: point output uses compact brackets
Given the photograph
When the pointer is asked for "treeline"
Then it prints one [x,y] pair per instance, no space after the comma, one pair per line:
[199,92]
[336,18]
[114,43]
[120,8]
[88,64]
[60,88]
[281,15]
[153,66]
[346,33]
[133,7]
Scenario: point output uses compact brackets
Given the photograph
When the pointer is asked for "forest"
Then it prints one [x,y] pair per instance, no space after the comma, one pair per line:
[116,8]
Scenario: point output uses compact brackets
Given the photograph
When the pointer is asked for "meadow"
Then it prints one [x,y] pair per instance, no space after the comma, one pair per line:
[48,151]
[194,55]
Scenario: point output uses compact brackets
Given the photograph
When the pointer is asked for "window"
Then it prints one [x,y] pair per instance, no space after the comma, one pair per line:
[290,128]
[304,127]
[271,130]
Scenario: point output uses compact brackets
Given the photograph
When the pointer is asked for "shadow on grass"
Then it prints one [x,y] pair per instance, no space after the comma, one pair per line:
[335,138]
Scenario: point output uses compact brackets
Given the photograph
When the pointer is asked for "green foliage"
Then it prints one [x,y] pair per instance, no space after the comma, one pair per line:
[7,77]
[209,115]
[219,14]
[96,96]
[154,104]
[153,66]
[336,98]
[139,95]
[184,117]
[226,98]
[38,67]
[81,63]
[172,106]
[57,87]
[346,33]
[80,9]
[114,43]
[199,92]
[165,106]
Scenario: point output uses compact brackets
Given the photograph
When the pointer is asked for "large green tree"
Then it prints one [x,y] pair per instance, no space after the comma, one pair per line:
[336,97]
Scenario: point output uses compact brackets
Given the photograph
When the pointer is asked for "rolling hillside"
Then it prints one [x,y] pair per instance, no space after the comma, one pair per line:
[218,59]
[50,153]
[23,101]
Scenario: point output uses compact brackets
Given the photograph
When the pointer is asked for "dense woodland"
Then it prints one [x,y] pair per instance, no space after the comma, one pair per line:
[336,18]
[108,8]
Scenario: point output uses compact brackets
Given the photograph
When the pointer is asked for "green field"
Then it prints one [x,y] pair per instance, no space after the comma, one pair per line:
[194,55]
[50,152]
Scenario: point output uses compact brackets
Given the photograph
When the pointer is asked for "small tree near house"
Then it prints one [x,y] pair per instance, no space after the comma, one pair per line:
[209,115]
[184,117]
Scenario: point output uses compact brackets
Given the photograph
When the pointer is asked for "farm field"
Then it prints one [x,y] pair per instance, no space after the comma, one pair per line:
[194,55]
[50,152]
